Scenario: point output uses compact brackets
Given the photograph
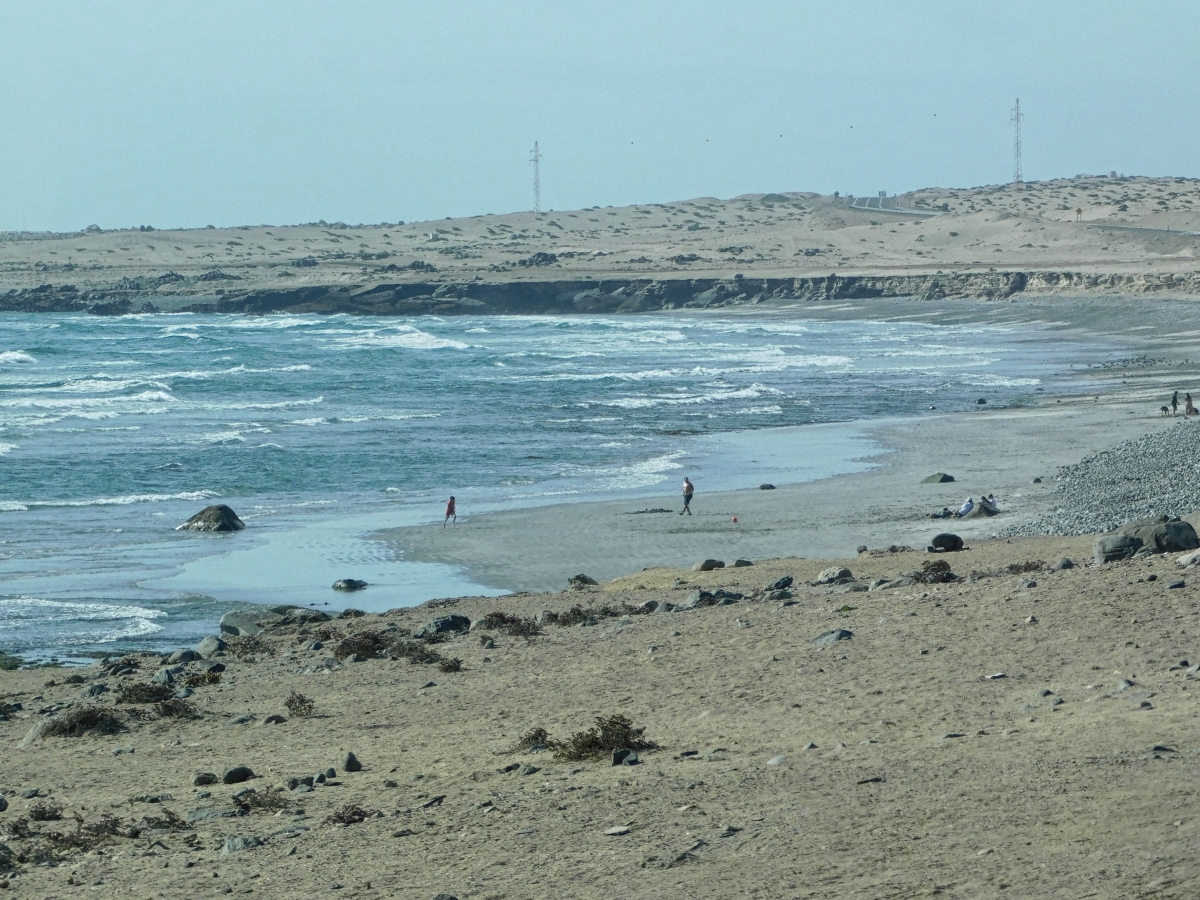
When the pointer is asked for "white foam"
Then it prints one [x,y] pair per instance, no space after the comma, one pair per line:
[314,421]
[13,357]
[6,448]
[12,506]
[403,337]
[126,500]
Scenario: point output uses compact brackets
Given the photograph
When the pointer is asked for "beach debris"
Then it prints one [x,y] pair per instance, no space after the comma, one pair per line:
[708,565]
[581,581]
[451,624]
[834,575]
[947,543]
[937,478]
[1113,547]
[217,517]
[237,775]
[832,637]
[350,763]
[349,584]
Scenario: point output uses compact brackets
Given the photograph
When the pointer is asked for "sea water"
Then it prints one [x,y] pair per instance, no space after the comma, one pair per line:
[320,430]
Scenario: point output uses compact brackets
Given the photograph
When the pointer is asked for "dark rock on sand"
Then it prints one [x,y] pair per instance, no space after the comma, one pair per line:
[351,763]
[580,581]
[202,779]
[780,584]
[94,690]
[937,478]
[1112,547]
[741,563]
[624,758]
[213,518]
[211,665]
[1162,535]
[1062,564]
[237,775]
[210,646]
[950,543]
[275,719]
[349,584]
[236,843]
[451,624]
[708,565]
[766,487]
[832,637]
[183,656]
[834,575]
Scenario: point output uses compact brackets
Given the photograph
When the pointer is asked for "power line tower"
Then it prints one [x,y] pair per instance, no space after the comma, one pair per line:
[535,157]
[1016,118]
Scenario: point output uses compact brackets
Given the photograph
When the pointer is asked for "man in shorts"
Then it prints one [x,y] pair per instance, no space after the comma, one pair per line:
[688,490]
[451,513]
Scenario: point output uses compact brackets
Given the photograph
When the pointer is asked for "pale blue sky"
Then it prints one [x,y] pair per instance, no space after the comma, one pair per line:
[184,114]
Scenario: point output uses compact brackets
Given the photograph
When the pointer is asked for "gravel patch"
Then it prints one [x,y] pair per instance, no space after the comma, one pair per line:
[1151,476]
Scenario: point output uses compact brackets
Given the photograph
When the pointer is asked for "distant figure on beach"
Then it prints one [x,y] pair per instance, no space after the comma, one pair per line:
[966,508]
[1188,408]
[1175,403]
[451,513]
[990,502]
[688,490]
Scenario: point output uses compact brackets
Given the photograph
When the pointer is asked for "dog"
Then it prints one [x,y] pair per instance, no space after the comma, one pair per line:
[1166,410]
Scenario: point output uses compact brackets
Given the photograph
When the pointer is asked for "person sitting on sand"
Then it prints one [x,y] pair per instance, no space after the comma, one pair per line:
[990,502]
[688,490]
[1188,408]
[451,513]
[966,508]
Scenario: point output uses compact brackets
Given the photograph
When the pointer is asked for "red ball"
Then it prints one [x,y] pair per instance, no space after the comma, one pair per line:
[735,518]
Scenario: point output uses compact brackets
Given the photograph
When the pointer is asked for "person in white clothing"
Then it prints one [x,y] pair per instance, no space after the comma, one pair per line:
[966,508]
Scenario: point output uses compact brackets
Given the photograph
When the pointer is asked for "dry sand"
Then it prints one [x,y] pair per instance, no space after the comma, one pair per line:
[893,764]
[760,235]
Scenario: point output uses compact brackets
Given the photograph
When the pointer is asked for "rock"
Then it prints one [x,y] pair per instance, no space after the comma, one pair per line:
[1028,583]
[298,615]
[203,779]
[708,565]
[1037,480]
[775,596]
[123,751]
[948,543]
[208,815]
[241,623]
[1062,564]
[777,760]
[349,584]
[163,676]
[850,587]
[766,487]
[741,563]
[351,764]
[235,844]
[937,478]
[528,770]
[243,719]
[780,584]
[832,637]
[1112,547]
[1175,585]
[275,720]
[579,582]
[451,624]
[94,690]
[306,781]
[1162,535]
[301,789]
[1188,560]
[3,803]
[314,645]
[862,548]
[834,575]
[180,657]
[212,666]
[213,518]
[624,758]
[981,402]
[211,646]
[878,583]
[237,775]
[617,830]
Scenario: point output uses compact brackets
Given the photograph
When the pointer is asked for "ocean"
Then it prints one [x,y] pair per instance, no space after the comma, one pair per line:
[320,431]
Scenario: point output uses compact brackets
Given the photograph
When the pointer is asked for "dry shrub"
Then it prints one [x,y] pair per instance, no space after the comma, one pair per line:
[144,692]
[168,821]
[934,571]
[451,665]
[9,663]
[265,801]
[350,814]
[299,706]
[1033,565]
[74,679]
[367,644]
[248,648]
[45,812]
[534,737]
[202,679]
[83,720]
[507,623]
[15,828]
[176,709]
[415,652]
[608,734]
[578,614]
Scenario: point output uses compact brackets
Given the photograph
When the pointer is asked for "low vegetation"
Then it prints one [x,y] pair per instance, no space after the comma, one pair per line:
[299,706]
[144,692]
[609,733]
[85,720]
[350,814]
[507,623]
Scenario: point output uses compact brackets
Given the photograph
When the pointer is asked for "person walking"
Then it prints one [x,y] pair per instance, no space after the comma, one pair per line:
[1174,403]
[451,513]
[688,490]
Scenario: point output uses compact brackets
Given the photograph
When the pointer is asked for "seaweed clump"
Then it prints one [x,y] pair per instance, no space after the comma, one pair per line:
[609,733]
[507,623]
[83,720]
[144,692]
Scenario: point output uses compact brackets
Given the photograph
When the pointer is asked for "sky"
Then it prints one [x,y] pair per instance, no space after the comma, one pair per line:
[151,112]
